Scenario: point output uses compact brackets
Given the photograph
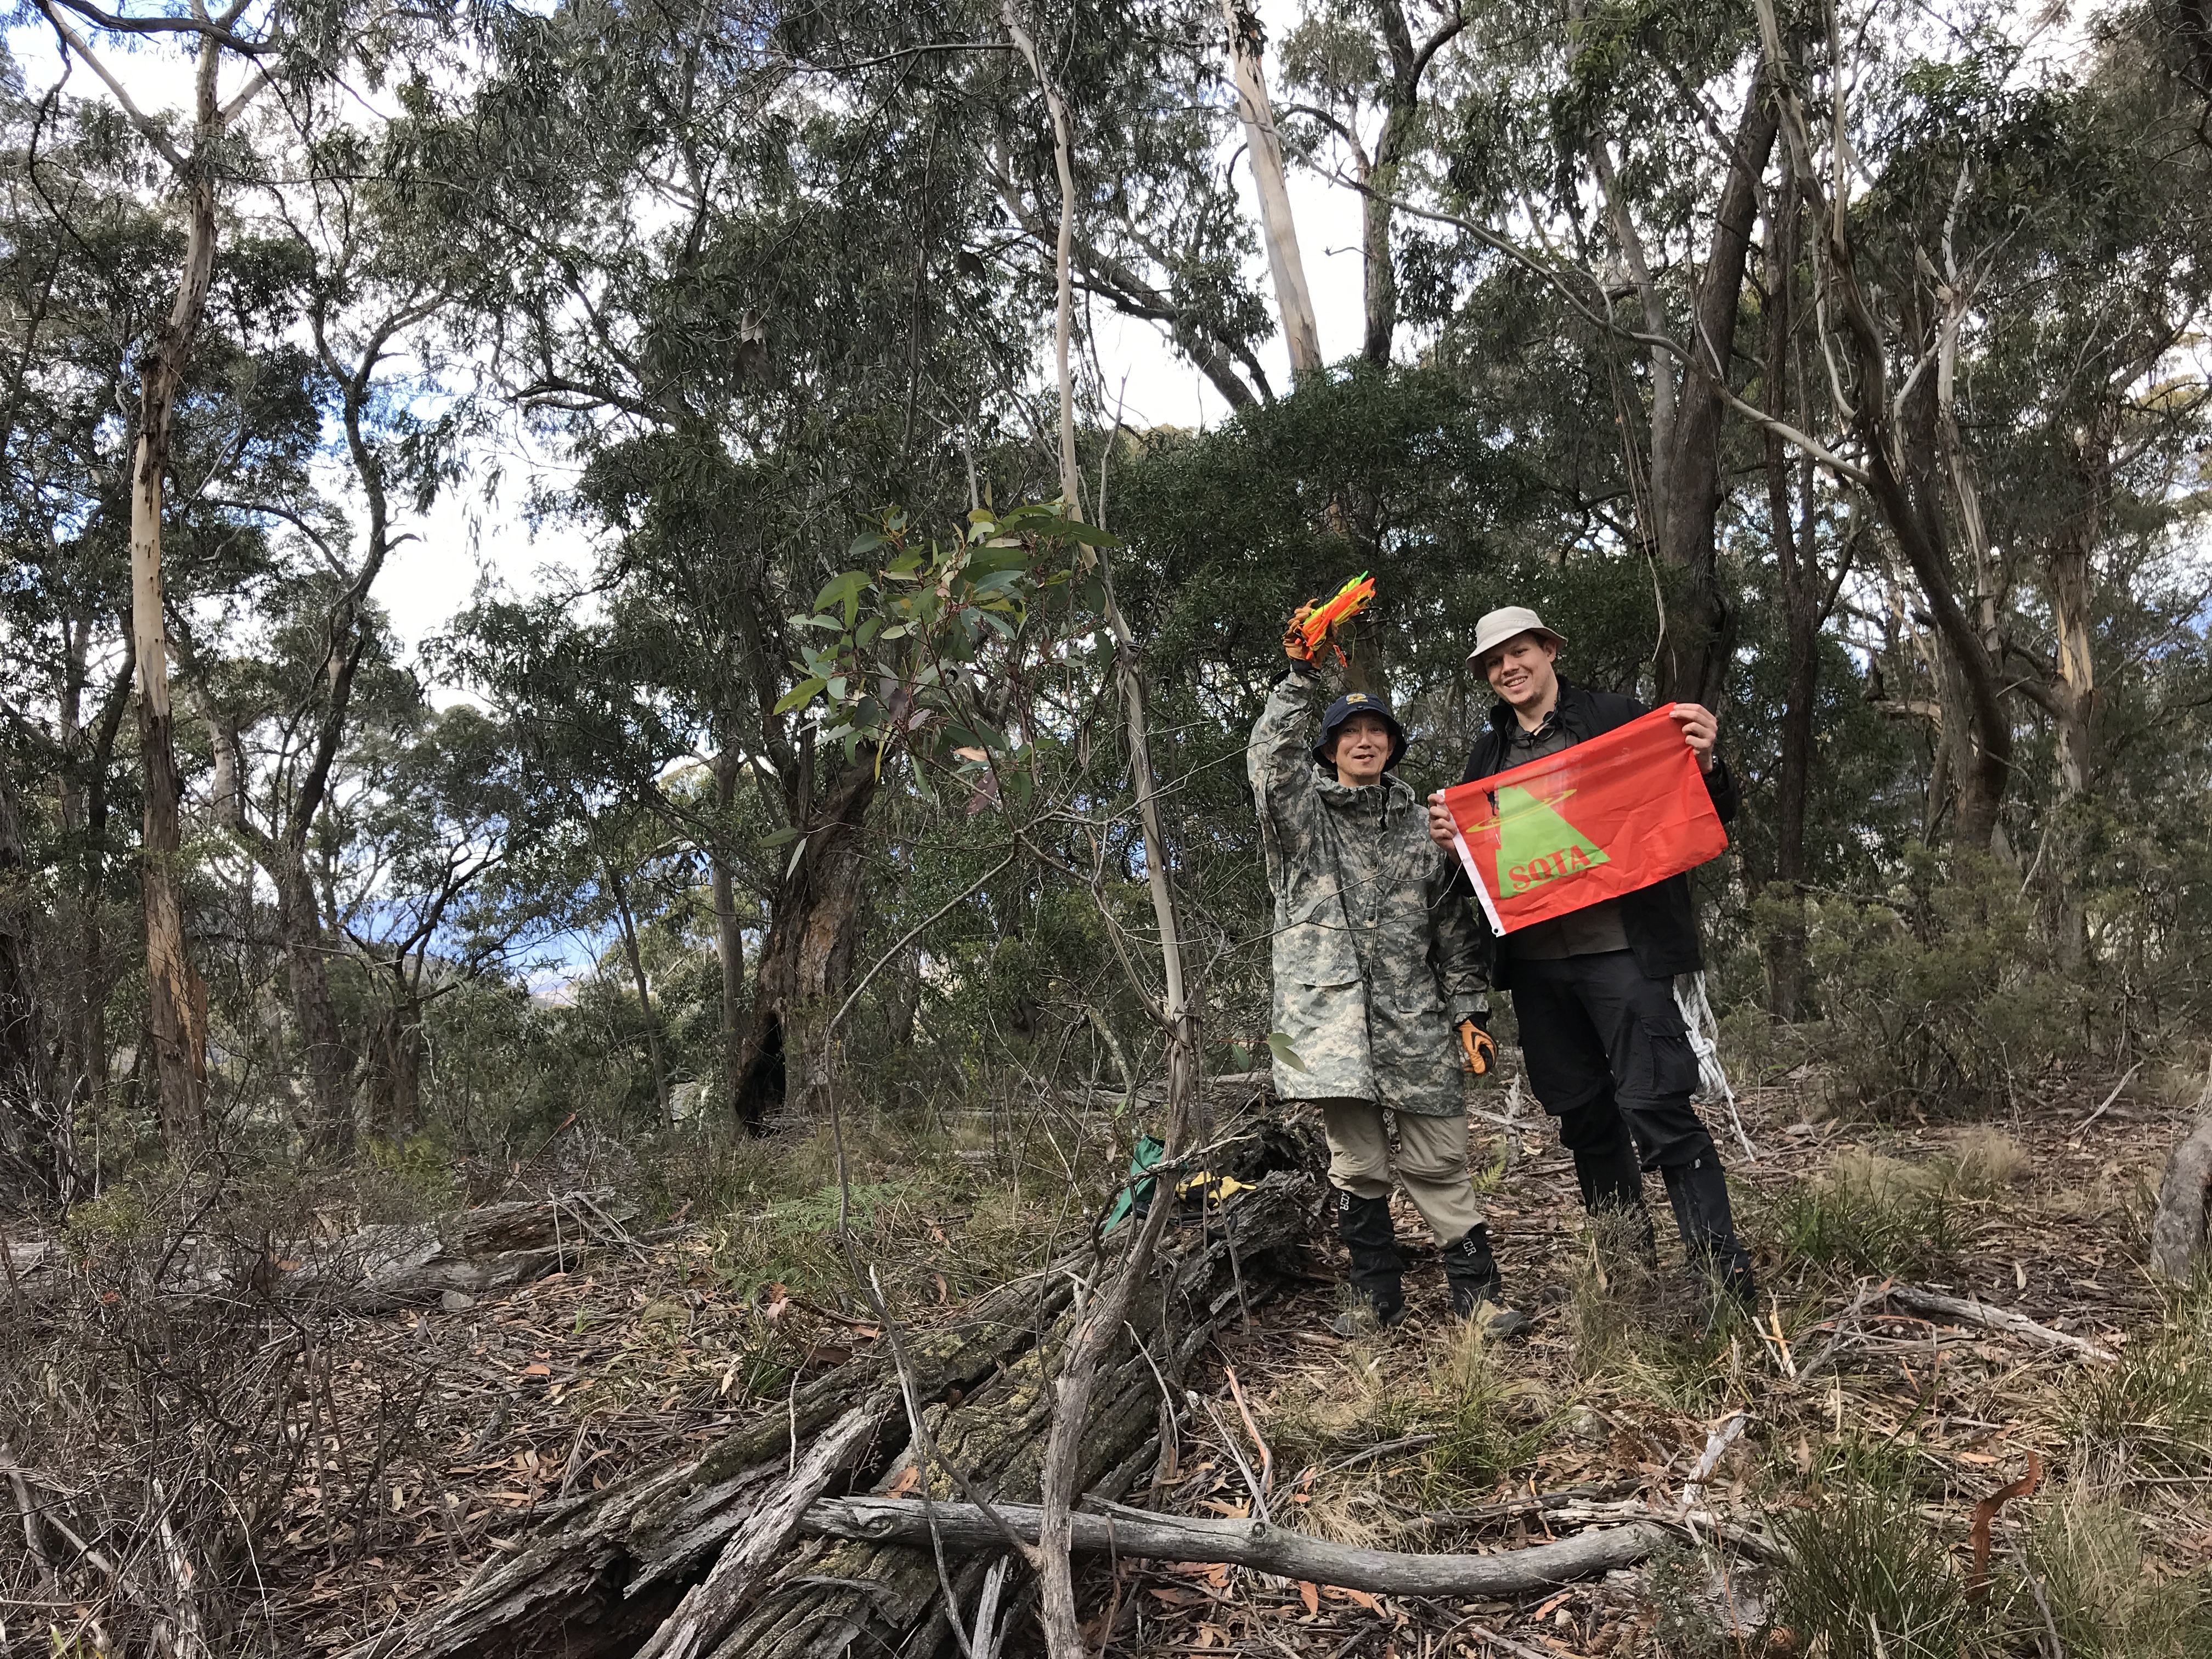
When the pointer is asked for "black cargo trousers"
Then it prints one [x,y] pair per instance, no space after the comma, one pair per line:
[1609,1056]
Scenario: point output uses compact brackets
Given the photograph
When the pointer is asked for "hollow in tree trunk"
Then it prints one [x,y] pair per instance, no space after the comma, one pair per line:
[807,956]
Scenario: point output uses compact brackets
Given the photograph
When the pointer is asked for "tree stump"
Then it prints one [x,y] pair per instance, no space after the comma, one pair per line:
[2177,1234]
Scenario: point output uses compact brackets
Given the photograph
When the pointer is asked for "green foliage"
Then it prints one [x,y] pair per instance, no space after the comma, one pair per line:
[1944,998]
[900,662]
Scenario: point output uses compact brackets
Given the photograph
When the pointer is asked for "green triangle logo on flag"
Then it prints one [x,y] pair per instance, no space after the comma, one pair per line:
[1536,845]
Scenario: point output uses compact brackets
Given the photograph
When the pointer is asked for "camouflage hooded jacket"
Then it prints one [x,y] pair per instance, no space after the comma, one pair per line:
[1376,957]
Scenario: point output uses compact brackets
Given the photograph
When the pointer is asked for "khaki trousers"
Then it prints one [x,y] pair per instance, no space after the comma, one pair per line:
[1431,1163]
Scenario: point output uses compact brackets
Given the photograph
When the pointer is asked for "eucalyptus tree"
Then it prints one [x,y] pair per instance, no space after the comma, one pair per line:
[756,290]
[90,256]
[2008,211]
[366,277]
[1157,231]
[427,809]
[1362,71]
[265,48]
[1616,153]
[76,252]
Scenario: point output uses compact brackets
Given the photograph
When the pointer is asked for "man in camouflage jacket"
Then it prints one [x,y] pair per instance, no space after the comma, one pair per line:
[1376,962]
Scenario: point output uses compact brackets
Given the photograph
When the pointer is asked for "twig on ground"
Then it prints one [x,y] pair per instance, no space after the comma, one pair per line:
[29,1510]
[1527,1504]
[1244,1465]
[1409,1443]
[1716,1445]
[1865,1299]
[1483,1633]
[1267,1457]
[2106,1105]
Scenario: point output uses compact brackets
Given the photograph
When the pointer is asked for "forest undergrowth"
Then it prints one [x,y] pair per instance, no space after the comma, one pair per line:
[338,1470]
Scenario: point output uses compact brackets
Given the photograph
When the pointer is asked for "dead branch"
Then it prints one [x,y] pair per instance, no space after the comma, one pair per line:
[1252,1543]
[1967,1310]
[465,1254]
[699,1556]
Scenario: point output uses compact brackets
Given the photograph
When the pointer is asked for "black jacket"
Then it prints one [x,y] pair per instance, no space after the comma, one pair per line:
[1660,920]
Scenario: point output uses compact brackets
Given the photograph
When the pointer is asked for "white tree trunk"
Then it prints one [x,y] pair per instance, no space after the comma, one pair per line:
[1265,146]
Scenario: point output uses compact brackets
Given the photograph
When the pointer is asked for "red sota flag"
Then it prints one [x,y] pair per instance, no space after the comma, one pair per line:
[1597,820]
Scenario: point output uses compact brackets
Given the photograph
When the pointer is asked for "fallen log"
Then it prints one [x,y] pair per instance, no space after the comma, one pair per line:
[1968,1311]
[635,1569]
[1248,1543]
[453,1258]
[468,1252]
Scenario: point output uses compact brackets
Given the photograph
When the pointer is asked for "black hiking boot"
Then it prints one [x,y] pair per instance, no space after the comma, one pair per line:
[1699,1195]
[1378,1271]
[1477,1289]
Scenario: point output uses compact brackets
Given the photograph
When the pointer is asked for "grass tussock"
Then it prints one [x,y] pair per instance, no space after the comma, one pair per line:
[1486,1422]
[1454,1396]
[939,1228]
[2152,1413]
[1354,1400]
[1614,1285]
[2086,1565]
[1643,1326]
[1870,1214]
[1867,1579]
[1984,1161]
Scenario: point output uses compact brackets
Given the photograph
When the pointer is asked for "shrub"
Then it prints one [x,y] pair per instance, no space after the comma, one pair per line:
[1941,996]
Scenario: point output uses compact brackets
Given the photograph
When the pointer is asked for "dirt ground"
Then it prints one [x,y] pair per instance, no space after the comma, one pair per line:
[1416,1439]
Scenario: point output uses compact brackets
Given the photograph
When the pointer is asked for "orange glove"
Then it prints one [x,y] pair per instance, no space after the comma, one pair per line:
[1294,642]
[1474,1041]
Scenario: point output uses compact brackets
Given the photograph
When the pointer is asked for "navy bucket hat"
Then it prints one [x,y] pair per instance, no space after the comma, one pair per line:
[1360,703]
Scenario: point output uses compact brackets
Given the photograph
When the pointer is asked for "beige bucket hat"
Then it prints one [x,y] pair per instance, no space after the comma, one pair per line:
[1502,625]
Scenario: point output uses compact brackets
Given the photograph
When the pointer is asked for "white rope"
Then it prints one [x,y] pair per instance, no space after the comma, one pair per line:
[1713,1085]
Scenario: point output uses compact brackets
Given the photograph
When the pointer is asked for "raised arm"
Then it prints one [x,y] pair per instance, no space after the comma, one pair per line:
[1278,758]
[1701,731]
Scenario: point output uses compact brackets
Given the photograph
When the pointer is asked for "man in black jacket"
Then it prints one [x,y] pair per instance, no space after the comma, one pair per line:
[1607,1052]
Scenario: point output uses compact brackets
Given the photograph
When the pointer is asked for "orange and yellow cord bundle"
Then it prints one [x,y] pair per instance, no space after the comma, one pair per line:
[1347,602]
